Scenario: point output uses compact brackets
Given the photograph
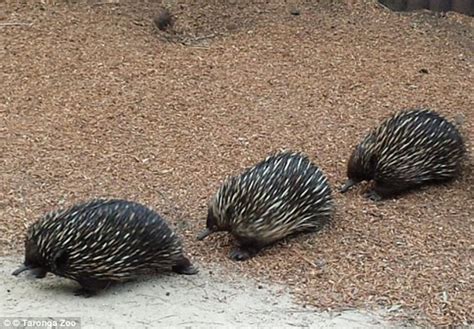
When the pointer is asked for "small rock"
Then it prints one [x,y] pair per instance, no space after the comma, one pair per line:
[167,294]
[295,12]
[260,286]
[320,263]
[395,308]
[425,71]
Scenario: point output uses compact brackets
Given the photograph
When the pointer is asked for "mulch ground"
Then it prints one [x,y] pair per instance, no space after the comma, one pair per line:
[96,102]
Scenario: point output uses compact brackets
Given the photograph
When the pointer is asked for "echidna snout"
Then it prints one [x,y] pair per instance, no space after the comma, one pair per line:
[347,185]
[211,226]
[38,272]
[352,180]
[204,233]
[33,262]
[360,166]
[21,269]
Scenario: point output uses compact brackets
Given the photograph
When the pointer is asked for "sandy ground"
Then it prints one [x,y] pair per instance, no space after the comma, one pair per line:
[169,301]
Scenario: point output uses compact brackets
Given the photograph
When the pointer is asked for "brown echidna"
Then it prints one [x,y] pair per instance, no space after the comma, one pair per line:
[101,242]
[409,149]
[280,196]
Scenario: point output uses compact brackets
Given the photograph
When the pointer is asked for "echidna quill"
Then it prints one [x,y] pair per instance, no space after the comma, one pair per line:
[101,242]
[282,195]
[409,149]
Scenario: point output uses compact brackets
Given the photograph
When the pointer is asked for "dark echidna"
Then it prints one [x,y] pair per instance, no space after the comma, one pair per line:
[101,242]
[282,195]
[409,149]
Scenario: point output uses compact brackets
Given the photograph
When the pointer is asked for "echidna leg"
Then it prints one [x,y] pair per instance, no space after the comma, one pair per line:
[241,253]
[90,287]
[184,266]
[245,250]
[247,247]
[373,195]
[381,191]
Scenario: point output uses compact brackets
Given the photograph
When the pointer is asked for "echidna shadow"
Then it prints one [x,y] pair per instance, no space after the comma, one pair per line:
[279,197]
[410,150]
[66,287]
[103,242]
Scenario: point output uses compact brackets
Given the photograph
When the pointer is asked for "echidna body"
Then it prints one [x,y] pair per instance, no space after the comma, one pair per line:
[409,149]
[280,196]
[102,241]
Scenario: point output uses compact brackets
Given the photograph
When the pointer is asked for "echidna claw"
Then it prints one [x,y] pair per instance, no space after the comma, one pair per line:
[372,195]
[186,270]
[84,293]
[239,254]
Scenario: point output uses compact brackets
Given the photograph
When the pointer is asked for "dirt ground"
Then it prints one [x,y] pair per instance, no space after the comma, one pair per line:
[96,102]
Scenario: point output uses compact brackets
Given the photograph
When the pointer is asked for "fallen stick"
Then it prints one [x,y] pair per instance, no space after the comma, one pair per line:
[16,24]
[306,259]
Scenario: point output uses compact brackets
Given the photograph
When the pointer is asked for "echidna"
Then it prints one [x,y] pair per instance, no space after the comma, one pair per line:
[280,196]
[100,242]
[409,149]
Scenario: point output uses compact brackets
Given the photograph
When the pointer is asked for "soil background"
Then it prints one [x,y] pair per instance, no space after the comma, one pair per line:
[96,102]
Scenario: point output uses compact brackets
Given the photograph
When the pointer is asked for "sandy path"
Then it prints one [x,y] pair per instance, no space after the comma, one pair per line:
[202,301]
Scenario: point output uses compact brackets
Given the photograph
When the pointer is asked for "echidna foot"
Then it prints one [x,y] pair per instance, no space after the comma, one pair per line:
[185,267]
[86,293]
[240,254]
[372,195]
[190,270]
[90,286]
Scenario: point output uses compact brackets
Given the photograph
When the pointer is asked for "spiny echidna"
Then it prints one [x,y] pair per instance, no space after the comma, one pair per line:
[100,242]
[409,149]
[280,196]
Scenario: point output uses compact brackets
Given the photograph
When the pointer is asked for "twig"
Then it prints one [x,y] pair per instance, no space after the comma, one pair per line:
[194,283]
[105,3]
[205,37]
[167,317]
[187,41]
[16,24]
[197,47]
[306,259]
[300,311]
[195,322]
